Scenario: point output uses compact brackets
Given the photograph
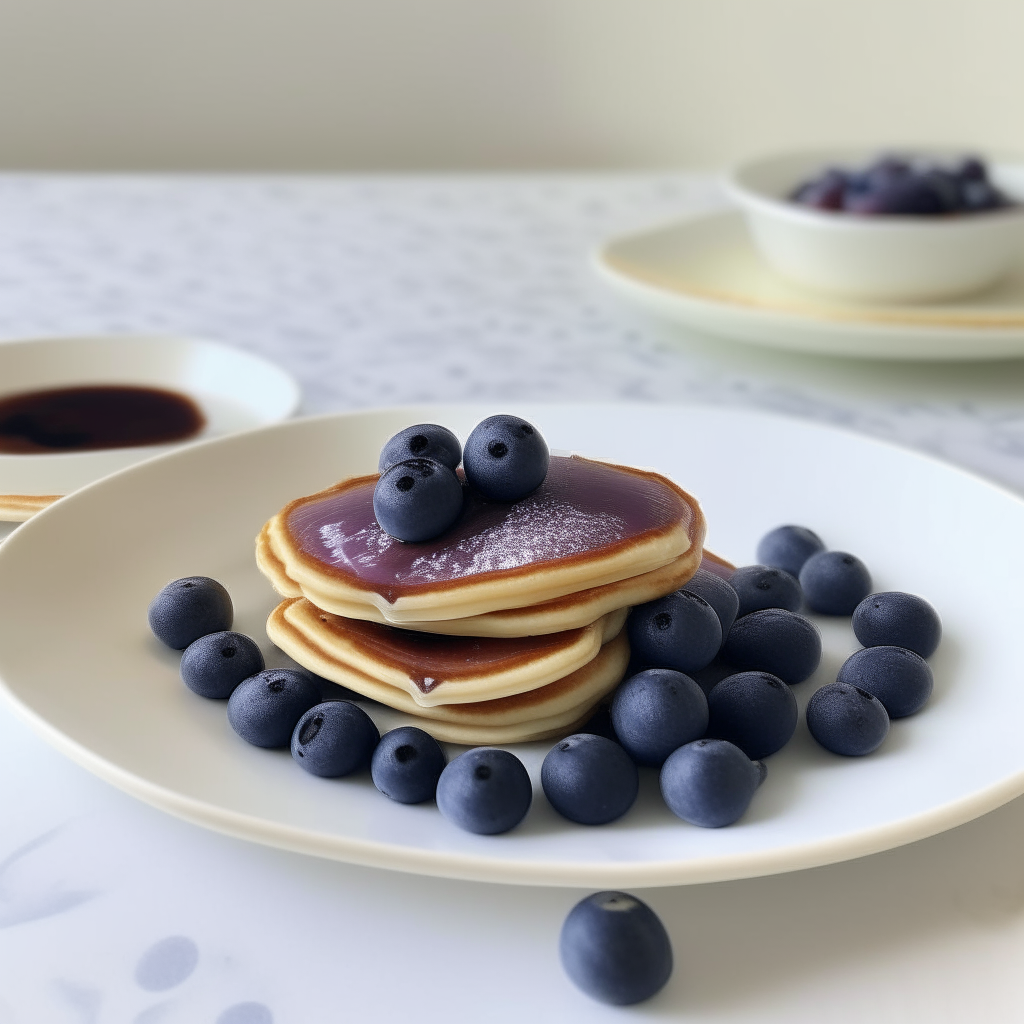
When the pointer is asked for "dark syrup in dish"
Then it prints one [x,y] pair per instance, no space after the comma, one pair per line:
[89,418]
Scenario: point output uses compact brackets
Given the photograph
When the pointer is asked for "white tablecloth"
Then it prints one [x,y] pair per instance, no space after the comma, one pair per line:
[381,290]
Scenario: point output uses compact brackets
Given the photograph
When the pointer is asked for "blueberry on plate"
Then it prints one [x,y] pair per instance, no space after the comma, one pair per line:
[834,582]
[407,764]
[215,664]
[334,738]
[900,679]
[894,619]
[763,586]
[422,441]
[189,608]
[846,719]
[788,547]
[505,458]
[656,711]
[681,631]
[589,779]
[754,710]
[485,790]
[718,593]
[777,641]
[417,500]
[264,708]
[615,949]
[709,782]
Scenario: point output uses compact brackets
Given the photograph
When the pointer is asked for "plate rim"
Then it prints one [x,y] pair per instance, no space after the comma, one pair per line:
[540,872]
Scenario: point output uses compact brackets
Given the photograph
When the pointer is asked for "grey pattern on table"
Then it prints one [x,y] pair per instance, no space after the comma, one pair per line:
[390,290]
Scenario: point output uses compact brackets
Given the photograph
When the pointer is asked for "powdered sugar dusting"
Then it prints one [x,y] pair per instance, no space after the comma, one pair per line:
[539,529]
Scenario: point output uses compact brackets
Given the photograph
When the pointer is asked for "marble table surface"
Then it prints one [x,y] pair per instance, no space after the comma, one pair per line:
[392,289]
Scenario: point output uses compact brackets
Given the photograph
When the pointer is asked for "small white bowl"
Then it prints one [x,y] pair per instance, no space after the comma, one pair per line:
[235,391]
[888,257]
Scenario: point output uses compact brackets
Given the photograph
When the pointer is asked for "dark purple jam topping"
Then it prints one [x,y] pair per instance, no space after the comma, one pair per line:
[581,508]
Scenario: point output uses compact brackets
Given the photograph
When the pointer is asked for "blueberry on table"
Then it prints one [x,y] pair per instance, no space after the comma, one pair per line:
[334,738]
[615,949]
[422,441]
[763,586]
[656,711]
[777,641]
[417,500]
[215,664]
[485,790]
[899,678]
[709,782]
[788,547]
[846,719]
[718,593]
[754,710]
[681,631]
[189,608]
[505,458]
[589,779]
[895,619]
[265,708]
[834,582]
[407,764]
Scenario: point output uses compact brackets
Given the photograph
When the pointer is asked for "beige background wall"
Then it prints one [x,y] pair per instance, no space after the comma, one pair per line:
[342,84]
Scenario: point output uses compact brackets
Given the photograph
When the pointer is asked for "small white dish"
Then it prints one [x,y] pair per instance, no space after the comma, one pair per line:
[234,390]
[706,274]
[78,662]
[876,258]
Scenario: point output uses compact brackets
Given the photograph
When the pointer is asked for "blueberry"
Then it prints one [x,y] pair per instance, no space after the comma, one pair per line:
[334,738]
[774,640]
[505,458]
[718,593]
[763,586]
[407,764]
[189,608]
[417,500]
[834,582]
[681,631]
[656,711]
[788,547]
[615,949]
[754,710]
[485,790]
[709,782]
[589,779]
[264,708]
[422,441]
[847,719]
[215,664]
[900,679]
[894,619]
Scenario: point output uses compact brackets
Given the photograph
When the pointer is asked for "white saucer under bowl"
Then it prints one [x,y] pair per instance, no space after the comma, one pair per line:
[78,661]
[706,274]
[235,391]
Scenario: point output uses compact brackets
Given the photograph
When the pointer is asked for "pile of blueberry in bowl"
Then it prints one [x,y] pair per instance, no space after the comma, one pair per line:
[920,226]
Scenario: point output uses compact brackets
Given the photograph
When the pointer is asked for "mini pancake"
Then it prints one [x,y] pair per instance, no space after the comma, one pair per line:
[549,710]
[435,669]
[588,525]
[568,612]
[18,508]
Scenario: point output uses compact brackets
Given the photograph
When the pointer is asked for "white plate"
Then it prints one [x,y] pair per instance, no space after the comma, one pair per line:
[706,274]
[77,658]
[235,390]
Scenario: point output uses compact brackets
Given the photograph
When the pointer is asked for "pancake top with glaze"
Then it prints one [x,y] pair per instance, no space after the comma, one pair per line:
[582,509]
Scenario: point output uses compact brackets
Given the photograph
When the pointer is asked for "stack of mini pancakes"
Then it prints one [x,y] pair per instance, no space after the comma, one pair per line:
[508,627]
